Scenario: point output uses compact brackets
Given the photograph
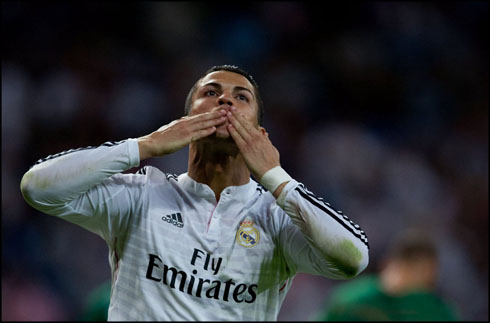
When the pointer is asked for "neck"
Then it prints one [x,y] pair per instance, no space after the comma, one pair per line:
[216,165]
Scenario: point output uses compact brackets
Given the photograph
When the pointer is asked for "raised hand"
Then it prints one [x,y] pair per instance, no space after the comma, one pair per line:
[180,133]
[257,150]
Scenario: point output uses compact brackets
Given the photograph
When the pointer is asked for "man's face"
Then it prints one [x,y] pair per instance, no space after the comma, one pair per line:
[224,89]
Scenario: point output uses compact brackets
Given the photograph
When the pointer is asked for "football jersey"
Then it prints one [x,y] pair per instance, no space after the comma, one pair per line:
[178,254]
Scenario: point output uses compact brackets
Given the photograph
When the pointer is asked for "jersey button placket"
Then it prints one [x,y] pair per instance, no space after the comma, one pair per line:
[213,222]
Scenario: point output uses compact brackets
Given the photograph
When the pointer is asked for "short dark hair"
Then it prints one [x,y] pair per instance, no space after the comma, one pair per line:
[411,245]
[234,69]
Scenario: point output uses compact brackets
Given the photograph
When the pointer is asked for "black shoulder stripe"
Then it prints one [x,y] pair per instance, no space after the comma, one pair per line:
[261,189]
[316,203]
[142,171]
[171,176]
[66,152]
[112,143]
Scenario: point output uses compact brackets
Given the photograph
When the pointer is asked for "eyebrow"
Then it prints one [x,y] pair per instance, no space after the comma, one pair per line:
[235,89]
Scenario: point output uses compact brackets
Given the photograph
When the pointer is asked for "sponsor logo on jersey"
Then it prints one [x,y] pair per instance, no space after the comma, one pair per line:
[174,218]
[247,235]
[201,285]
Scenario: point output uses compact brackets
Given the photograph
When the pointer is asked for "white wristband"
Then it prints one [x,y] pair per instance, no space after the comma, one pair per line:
[274,177]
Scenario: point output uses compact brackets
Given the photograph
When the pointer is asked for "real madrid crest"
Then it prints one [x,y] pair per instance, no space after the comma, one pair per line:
[247,236]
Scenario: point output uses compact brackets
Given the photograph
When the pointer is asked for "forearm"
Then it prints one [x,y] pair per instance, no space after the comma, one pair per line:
[178,134]
[337,241]
[145,147]
[277,192]
[61,179]
[274,180]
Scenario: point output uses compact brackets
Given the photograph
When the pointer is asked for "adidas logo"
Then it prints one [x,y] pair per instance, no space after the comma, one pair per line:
[174,218]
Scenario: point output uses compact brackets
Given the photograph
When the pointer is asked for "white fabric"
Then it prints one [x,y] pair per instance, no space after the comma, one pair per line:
[232,260]
[274,177]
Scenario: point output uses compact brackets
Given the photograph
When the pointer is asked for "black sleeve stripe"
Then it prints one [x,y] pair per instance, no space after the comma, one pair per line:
[66,152]
[310,199]
[321,201]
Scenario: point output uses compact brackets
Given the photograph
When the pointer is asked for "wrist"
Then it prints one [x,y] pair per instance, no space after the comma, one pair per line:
[144,146]
[273,178]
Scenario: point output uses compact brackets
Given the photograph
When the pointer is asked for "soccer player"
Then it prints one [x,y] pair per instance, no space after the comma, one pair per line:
[209,244]
[404,289]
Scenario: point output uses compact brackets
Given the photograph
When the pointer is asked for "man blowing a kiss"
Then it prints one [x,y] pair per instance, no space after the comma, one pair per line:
[209,244]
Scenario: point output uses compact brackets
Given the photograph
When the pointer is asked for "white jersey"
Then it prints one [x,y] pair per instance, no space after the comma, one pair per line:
[177,254]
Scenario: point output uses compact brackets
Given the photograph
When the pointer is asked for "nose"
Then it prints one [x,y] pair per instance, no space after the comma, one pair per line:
[225,99]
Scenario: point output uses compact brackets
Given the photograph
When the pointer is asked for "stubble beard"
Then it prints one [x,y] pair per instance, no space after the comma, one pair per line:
[219,144]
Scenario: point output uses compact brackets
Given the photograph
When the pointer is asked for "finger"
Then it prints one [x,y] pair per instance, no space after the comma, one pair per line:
[207,123]
[207,116]
[240,142]
[241,119]
[202,133]
[242,131]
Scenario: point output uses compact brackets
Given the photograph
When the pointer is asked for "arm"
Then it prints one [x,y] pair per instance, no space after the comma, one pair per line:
[78,184]
[329,244]
[316,238]
[62,177]
[179,133]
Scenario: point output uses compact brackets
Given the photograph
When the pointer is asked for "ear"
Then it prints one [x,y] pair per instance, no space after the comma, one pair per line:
[264,132]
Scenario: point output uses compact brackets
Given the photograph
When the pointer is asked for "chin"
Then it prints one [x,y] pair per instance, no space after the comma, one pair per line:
[221,141]
[222,133]
[219,138]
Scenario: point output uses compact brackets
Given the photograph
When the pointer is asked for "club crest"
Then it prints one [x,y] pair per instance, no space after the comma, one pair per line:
[247,235]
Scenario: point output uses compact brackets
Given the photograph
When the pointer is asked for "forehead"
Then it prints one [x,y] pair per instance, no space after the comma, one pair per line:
[226,78]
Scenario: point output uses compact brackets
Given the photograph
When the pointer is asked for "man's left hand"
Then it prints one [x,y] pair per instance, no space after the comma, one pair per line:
[257,150]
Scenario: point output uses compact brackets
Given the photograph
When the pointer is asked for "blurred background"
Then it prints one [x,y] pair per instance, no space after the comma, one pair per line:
[381,108]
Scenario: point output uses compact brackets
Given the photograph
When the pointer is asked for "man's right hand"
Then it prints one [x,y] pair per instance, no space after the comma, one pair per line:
[180,133]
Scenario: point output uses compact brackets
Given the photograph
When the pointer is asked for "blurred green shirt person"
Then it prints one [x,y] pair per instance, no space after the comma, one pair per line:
[404,289]
[364,300]
[97,306]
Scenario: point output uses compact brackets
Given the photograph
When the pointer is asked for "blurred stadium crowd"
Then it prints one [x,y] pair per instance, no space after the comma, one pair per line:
[381,108]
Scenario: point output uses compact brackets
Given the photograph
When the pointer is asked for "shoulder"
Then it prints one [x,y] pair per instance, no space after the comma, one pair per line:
[155,173]
[147,175]
[268,212]
[263,197]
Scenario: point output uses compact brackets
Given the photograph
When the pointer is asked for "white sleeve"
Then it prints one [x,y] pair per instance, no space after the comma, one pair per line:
[317,239]
[83,186]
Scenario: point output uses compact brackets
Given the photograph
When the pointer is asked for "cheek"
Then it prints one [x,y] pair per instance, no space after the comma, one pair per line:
[199,106]
[251,115]
[253,119]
